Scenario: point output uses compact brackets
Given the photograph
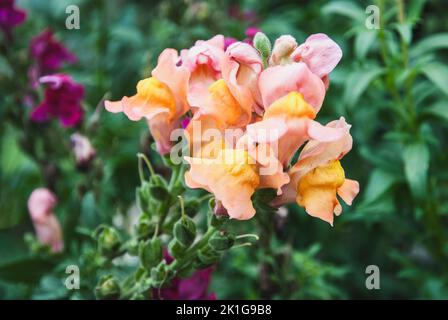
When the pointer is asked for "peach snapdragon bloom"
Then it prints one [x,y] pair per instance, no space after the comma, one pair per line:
[160,99]
[232,177]
[48,230]
[318,177]
[289,122]
[204,61]
[318,52]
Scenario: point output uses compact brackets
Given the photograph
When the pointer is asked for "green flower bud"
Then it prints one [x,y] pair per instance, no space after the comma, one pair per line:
[218,221]
[185,231]
[221,242]
[150,253]
[159,193]
[107,288]
[109,241]
[145,228]
[263,45]
[175,249]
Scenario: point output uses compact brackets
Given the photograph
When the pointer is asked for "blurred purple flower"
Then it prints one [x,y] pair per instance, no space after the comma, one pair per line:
[252,31]
[192,288]
[10,16]
[228,41]
[245,15]
[49,53]
[62,100]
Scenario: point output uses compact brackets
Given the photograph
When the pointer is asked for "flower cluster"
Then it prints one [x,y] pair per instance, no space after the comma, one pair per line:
[269,99]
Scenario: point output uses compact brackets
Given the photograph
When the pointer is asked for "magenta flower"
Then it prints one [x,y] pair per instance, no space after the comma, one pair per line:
[228,41]
[193,288]
[10,16]
[62,100]
[49,53]
[250,33]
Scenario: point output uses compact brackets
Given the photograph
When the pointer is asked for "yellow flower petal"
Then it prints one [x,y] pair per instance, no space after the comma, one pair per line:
[316,191]
[293,105]
[156,94]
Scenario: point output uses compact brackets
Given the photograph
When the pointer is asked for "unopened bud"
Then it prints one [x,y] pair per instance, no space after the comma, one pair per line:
[284,46]
[150,253]
[107,288]
[263,45]
[175,249]
[145,228]
[185,231]
[109,241]
[221,242]
[83,150]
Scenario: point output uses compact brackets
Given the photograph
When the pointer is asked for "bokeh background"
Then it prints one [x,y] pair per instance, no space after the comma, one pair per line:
[391,85]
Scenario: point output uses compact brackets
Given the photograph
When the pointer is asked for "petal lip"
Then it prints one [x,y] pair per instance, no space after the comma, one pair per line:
[320,53]
[277,81]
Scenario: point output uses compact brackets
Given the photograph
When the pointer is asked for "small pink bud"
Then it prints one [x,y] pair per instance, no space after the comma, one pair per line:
[83,150]
[48,230]
[283,48]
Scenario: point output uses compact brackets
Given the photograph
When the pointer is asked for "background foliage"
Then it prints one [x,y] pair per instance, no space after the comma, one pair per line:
[391,85]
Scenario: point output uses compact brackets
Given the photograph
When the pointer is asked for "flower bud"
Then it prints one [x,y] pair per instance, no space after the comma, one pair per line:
[107,288]
[185,231]
[145,228]
[48,229]
[159,193]
[83,150]
[109,241]
[284,46]
[263,45]
[150,253]
[176,249]
[221,242]
[219,215]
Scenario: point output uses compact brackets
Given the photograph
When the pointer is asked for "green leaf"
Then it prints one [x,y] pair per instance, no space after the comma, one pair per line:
[363,41]
[344,8]
[5,68]
[405,31]
[89,216]
[439,110]
[431,43]
[357,83]
[438,74]
[416,164]
[414,10]
[379,183]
